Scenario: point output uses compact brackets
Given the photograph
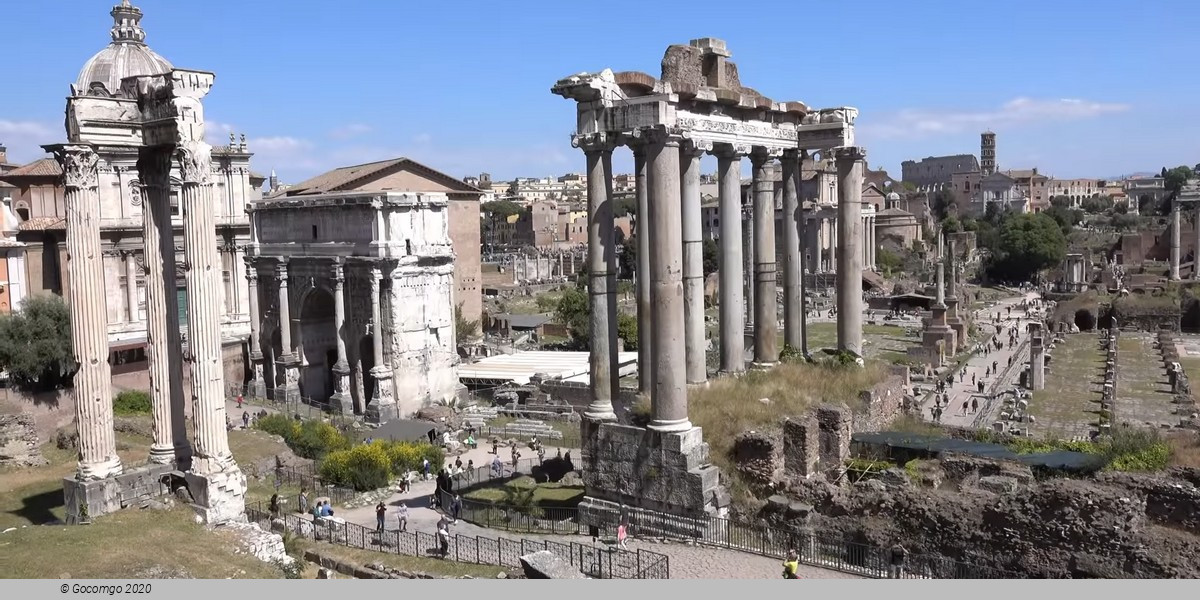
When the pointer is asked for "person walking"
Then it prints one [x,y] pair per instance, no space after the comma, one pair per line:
[541,455]
[964,408]
[274,506]
[443,534]
[380,513]
[974,405]
[470,470]
[791,565]
[431,434]
[402,516]
[425,468]
[245,420]
[896,564]
[302,504]
[622,535]
[456,507]
[239,401]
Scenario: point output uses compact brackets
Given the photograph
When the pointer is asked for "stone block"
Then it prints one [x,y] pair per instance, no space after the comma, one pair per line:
[219,497]
[801,447]
[833,423]
[100,497]
[1000,484]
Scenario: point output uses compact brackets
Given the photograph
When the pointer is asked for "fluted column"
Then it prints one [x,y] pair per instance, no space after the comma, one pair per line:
[747,210]
[693,262]
[793,266]
[1174,269]
[131,295]
[341,369]
[849,161]
[602,265]
[257,388]
[383,399]
[645,329]
[286,367]
[203,276]
[766,307]
[89,322]
[164,354]
[669,399]
[732,274]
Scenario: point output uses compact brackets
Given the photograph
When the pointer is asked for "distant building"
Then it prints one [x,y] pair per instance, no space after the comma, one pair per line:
[1076,190]
[1154,189]
[936,172]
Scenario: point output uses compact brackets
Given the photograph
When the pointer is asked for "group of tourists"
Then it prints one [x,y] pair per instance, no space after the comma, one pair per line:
[401,517]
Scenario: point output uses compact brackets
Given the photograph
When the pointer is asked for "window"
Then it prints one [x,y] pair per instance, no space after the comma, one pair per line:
[23,213]
[314,232]
[408,247]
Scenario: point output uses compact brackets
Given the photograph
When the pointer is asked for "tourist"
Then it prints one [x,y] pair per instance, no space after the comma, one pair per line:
[791,566]
[245,419]
[425,468]
[470,470]
[274,506]
[497,468]
[443,534]
[402,515]
[896,564]
[622,535]
[432,433]
[239,401]
[516,456]
[458,462]
[972,379]
[303,500]
[964,407]
[541,455]
[495,446]
[456,507]
[470,441]
[974,405]
[380,512]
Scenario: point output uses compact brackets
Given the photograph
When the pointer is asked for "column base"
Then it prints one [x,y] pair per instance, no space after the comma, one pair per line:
[100,470]
[162,455]
[218,497]
[600,413]
[256,389]
[697,385]
[764,365]
[342,402]
[382,406]
[670,426]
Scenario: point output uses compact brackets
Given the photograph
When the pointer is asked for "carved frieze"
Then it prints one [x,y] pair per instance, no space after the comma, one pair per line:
[79,165]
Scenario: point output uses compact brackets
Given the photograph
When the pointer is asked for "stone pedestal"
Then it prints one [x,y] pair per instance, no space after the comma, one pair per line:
[954,321]
[257,388]
[86,500]
[647,470]
[382,407]
[287,370]
[218,497]
[342,401]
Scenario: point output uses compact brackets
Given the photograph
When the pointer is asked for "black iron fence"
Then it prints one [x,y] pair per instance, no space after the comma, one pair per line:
[305,477]
[830,551]
[601,562]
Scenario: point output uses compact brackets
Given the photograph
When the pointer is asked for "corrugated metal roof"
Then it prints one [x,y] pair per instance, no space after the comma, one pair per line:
[520,367]
[1062,460]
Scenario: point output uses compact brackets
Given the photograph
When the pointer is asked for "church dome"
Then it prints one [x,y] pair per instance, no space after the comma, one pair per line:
[127,55]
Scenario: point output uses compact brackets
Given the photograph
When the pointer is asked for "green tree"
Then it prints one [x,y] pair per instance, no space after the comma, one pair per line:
[1175,178]
[625,205]
[1097,204]
[1028,243]
[712,257]
[627,258]
[889,261]
[1066,218]
[627,330]
[574,311]
[465,331]
[951,224]
[35,345]
[943,203]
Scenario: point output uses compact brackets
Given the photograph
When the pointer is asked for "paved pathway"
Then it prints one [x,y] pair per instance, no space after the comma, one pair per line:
[962,389]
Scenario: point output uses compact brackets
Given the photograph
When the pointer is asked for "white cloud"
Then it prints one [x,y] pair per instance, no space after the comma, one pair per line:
[25,138]
[349,131]
[919,123]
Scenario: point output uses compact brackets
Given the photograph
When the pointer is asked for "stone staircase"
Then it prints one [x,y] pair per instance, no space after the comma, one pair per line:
[526,428]
[478,416]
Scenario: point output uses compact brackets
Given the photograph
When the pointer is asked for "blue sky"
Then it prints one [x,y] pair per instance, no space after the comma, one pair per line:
[1078,89]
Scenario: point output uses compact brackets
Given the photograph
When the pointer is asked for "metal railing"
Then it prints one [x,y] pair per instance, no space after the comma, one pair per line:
[599,562]
[306,478]
[830,551]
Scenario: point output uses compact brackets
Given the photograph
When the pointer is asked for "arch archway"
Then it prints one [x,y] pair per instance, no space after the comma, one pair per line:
[318,339]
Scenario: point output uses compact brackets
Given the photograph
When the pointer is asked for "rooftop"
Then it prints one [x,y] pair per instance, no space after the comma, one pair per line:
[520,367]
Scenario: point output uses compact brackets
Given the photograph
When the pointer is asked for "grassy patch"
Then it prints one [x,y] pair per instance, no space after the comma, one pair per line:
[525,491]
[128,544]
[729,406]
[423,564]
[1128,449]
[570,433]
[250,446]
[1062,408]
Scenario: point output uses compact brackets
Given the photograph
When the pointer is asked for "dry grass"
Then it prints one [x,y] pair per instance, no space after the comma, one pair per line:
[423,564]
[1185,449]
[251,446]
[730,406]
[128,544]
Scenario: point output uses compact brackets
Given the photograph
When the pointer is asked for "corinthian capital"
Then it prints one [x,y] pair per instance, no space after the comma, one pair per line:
[79,165]
[154,166]
[195,162]
[695,147]
[849,153]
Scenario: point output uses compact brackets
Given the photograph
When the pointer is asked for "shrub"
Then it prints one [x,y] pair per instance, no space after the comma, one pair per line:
[315,439]
[790,354]
[281,426]
[405,456]
[132,402]
[363,467]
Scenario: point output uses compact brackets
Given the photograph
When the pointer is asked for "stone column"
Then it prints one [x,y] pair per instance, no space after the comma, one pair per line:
[1175,240]
[131,294]
[849,264]
[766,351]
[383,401]
[286,365]
[793,265]
[1037,357]
[645,328]
[602,285]
[165,350]
[693,261]
[669,399]
[732,274]
[257,387]
[341,369]
[92,389]
[1196,247]
[203,277]
[748,258]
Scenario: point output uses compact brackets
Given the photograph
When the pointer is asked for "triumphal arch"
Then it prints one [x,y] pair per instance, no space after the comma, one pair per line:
[697,106]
